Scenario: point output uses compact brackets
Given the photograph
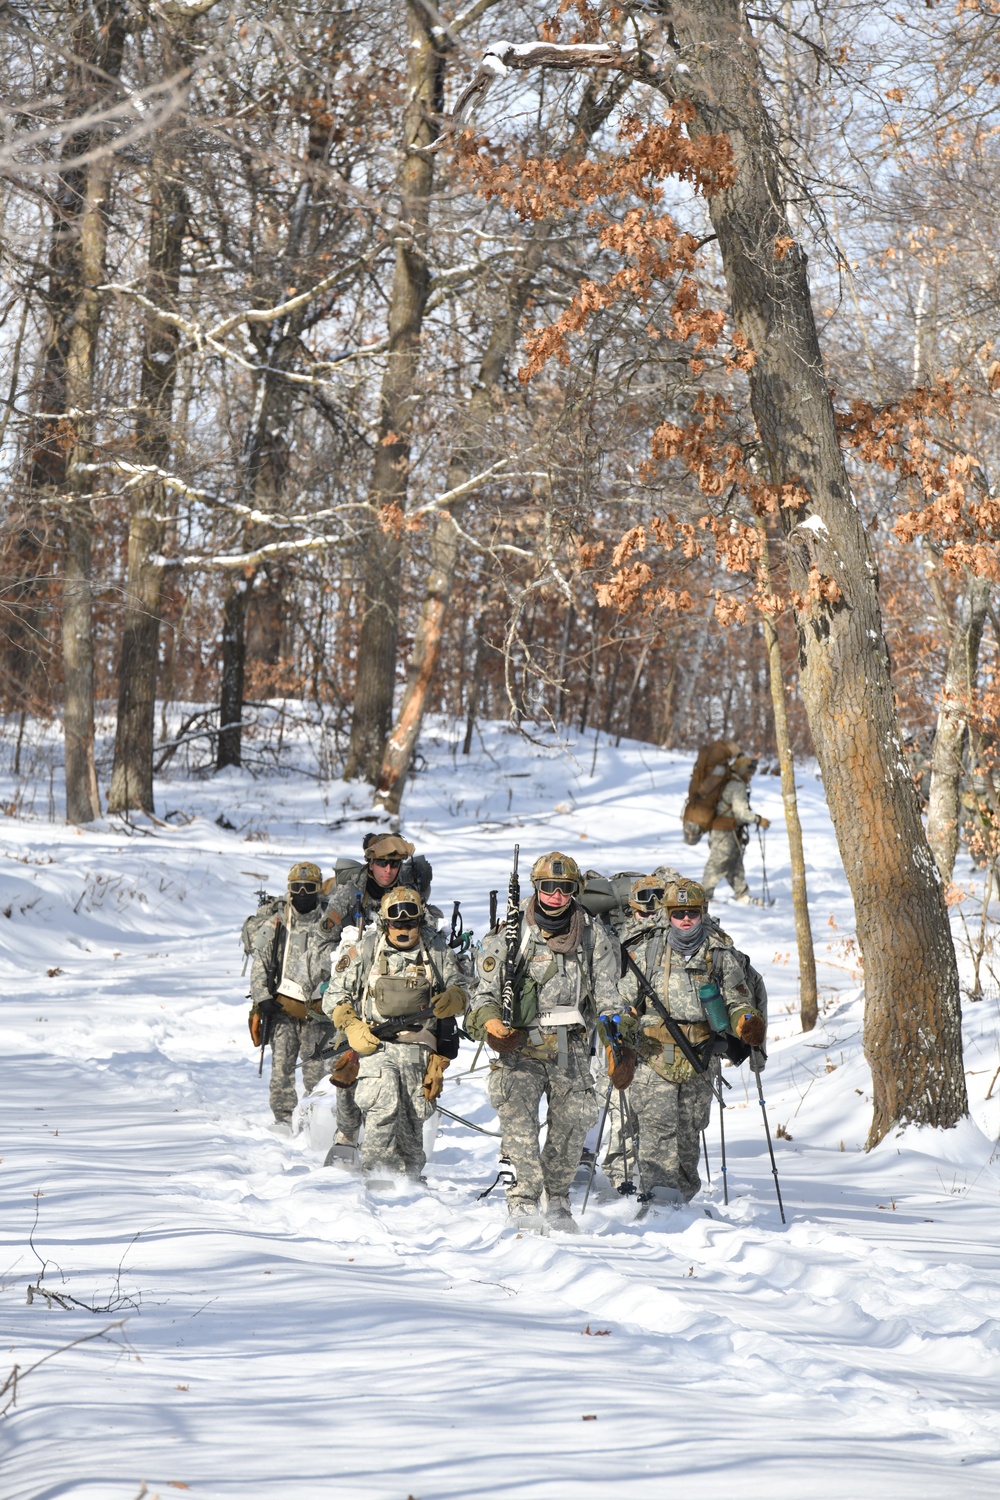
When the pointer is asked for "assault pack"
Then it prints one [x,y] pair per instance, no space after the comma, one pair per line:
[608,898]
[268,907]
[711,772]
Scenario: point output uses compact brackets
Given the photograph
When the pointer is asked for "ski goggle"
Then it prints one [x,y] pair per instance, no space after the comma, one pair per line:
[550,887]
[403,913]
[649,895]
[303,888]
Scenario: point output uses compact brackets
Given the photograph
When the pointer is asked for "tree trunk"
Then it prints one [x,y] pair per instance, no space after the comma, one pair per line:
[957,695]
[808,998]
[398,755]
[376,659]
[132,775]
[62,445]
[912,1010]
[234,619]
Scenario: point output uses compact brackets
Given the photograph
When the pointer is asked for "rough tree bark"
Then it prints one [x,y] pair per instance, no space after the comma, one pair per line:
[62,445]
[957,694]
[913,1036]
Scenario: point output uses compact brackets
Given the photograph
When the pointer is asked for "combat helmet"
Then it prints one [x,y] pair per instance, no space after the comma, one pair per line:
[401,912]
[684,895]
[305,876]
[645,895]
[556,867]
[386,846]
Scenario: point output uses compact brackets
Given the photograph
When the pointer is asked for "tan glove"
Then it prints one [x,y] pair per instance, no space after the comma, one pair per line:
[763,822]
[253,1021]
[621,1072]
[358,1033]
[502,1038]
[345,1070]
[750,1027]
[434,1076]
[449,1002]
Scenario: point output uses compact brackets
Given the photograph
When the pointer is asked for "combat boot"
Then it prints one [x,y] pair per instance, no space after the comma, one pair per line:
[559,1218]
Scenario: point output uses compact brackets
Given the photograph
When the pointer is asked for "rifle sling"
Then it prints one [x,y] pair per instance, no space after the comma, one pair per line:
[676,1033]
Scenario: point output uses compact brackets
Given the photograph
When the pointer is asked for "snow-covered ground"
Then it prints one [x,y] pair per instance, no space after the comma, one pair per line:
[254,1325]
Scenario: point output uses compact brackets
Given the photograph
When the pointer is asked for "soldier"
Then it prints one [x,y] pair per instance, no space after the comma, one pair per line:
[403,980]
[728,835]
[389,862]
[290,960]
[701,984]
[566,969]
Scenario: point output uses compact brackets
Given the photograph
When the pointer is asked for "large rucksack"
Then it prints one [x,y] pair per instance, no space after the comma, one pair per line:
[608,899]
[268,908]
[711,772]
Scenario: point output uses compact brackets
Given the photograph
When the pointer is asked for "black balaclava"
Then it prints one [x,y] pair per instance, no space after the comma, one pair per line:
[305,902]
[553,923]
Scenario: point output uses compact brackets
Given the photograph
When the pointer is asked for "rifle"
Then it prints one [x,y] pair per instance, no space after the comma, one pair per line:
[512,927]
[386,1031]
[676,1034]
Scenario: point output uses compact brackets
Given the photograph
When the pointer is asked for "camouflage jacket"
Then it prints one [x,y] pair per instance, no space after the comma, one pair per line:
[550,988]
[734,802]
[676,981]
[427,970]
[291,956]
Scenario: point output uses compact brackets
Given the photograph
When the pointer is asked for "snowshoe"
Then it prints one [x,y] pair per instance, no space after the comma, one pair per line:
[343,1154]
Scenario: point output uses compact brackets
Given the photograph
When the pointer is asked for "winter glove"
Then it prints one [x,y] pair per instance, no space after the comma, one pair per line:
[358,1033]
[750,1027]
[253,1021]
[434,1076]
[763,822]
[345,1069]
[268,1009]
[622,1071]
[502,1038]
[449,1002]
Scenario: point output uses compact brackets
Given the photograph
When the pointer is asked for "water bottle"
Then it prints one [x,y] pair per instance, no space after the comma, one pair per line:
[715,1007]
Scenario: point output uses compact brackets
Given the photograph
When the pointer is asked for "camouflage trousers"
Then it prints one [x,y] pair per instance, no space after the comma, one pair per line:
[389,1094]
[670,1118]
[516,1088]
[291,1040]
[725,862]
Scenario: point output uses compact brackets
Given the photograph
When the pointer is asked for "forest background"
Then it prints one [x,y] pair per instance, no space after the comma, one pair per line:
[354,357]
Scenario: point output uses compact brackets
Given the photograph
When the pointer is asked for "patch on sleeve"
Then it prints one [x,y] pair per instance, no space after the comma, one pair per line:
[343,962]
[489,964]
[741,989]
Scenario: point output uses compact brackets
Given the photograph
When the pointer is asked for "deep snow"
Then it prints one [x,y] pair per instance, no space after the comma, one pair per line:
[273,1329]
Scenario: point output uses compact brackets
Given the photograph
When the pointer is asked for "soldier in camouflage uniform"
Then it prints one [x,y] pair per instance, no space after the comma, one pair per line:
[645,914]
[567,969]
[389,862]
[402,974]
[693,970]
[728,837]
[290,961]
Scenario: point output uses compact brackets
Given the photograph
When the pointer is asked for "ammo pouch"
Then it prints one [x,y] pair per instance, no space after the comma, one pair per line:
[401,994]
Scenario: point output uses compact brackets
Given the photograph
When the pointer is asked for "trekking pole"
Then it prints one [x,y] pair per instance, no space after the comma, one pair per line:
[628,1185]
[461,1120]
[767,1129]
[722,1152]
[633,1128]
[597,1147]
[704,1147]
[764,889]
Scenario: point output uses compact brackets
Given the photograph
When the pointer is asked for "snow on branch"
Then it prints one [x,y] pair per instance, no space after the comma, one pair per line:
[502,58]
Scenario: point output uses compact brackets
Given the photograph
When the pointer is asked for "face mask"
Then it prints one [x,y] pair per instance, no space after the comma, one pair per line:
[305,901]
